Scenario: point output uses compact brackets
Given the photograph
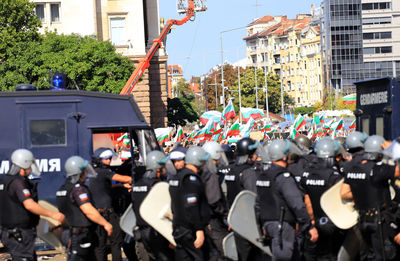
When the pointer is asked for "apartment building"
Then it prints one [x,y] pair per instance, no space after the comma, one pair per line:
[175,74]
[130,25]
[360,40]
[290,48]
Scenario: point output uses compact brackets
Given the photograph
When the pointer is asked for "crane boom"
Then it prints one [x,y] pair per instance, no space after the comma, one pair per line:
[145,62]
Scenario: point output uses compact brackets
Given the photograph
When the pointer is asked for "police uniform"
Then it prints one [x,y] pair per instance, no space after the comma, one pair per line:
[191,213]
[156,245]
[316,179]
[100,188]
[241,177]
[280,206]
[18,224]
[219,211]
[81,230]
[371,194]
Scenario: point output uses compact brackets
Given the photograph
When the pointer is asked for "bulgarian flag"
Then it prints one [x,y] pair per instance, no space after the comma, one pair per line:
[124,139]
[248,113]
[217,134]
[327,126]
[162,134]
[234,130]
[179,135]
[349,99]
[299,122]
[337,125]
[267,128]
[229,111]
[294,133]
[245,132]
[353,125]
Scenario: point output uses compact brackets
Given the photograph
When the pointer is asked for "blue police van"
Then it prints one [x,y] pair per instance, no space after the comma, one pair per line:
[55,125]
[378,107]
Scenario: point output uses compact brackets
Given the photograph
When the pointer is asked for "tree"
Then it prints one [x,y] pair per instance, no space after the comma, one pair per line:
[18,23]
[180,112]
[90,64]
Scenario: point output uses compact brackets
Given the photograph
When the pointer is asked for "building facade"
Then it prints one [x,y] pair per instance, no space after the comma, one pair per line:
[291,49]
[130,25]
[360,40]
[175,74]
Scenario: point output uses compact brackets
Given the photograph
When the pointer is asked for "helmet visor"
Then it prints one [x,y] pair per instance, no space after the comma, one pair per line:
[35,170]
[262,153]
[223,161]
[90,171]
[170,168]
[210,166]
[294,149]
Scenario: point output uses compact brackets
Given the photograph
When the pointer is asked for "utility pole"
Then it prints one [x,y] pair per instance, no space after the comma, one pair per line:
[240,97]
[205,90]
[266,84]
[282,105]
[222,70]
[255,79]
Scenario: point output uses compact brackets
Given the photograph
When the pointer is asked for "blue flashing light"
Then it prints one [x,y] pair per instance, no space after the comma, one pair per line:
[58,82]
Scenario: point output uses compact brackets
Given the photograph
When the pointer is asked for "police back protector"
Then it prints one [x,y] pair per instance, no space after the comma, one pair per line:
[269,199]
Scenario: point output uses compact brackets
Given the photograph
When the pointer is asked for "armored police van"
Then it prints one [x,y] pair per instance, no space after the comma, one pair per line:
[378,107]
[55,125]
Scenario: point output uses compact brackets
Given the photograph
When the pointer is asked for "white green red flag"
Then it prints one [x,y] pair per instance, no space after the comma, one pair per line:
[162,135]
[299,122]
[248,113]
[267,128]
[294,133]
[229,111]
[349,99]
[234,130]
[245,132]
[353,125]
[179,135]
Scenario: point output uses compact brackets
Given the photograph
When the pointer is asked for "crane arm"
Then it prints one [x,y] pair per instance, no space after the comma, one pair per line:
[145,62]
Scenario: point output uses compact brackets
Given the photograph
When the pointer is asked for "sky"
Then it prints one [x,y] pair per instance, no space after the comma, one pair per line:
[196,44]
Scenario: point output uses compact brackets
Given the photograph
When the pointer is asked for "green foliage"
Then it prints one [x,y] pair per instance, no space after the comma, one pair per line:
[180,112]
[335,102]
[92,65]
[18,23]
[304,110]
[248,93]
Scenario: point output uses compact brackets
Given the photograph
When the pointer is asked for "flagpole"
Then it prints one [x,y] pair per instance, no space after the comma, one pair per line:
[240,97]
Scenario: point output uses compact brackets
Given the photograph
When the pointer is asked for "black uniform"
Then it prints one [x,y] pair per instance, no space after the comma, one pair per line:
[156,245]
[191,213]
[100,188]
[241,177]
[279,199]
[18,224]
[219,211]
[81,230]
[317,178]
[370,189]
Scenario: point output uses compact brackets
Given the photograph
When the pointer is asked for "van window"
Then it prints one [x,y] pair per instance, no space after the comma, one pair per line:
[365,125]
[379,126]
[48,132]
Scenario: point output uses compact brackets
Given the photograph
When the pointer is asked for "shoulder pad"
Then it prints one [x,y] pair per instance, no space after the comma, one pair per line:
[192,178]
[286,174]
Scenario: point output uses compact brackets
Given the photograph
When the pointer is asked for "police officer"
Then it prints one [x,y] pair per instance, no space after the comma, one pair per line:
[242,176]
[279,203]
[215,197]
[355,145]
[177,156]
[367,184]
[20,210]
[75,202]
[156,245]
[298,162]
[100,188]
[190,209]
[318,177]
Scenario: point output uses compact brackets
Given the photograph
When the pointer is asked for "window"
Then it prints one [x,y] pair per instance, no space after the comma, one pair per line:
[55,12]
[379,126]
[48,132]
[365,125]
[379,35]
[377,20]
[118,31]
[376,6]
[386,49]
[39,10]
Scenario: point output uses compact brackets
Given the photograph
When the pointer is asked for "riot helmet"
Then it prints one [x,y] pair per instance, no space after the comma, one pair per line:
[23,159]
[279,149]
[156,160]
[229,152]
[373,147]
[75,167]
[356,140]
[216,152]
[245,148]
[303,142]
[326,148]
[196,156]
